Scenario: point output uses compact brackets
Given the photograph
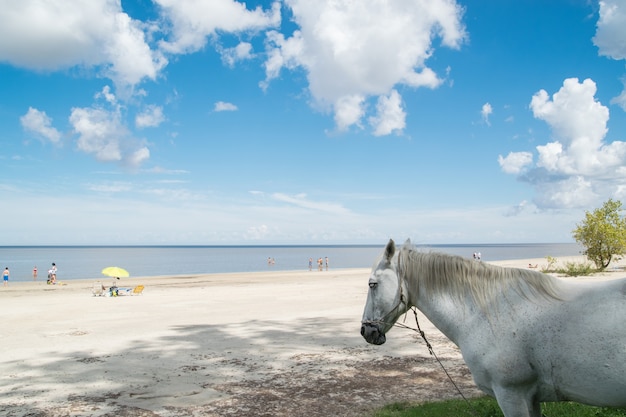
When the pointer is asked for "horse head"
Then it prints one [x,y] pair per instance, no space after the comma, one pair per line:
[386,300]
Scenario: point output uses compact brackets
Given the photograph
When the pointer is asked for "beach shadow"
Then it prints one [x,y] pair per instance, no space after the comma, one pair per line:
[310,366]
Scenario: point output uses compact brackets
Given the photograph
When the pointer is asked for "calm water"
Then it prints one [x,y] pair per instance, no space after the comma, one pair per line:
[87,262]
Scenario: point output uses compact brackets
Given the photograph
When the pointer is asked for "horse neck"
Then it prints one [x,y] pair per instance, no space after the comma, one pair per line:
[442,310]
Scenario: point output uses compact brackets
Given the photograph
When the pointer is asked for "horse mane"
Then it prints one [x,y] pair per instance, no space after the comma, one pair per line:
[457,276]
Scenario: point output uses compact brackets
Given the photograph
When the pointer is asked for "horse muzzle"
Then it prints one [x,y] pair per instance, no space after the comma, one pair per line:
[373,334]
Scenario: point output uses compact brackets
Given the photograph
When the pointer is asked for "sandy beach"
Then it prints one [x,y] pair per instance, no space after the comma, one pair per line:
[256,344]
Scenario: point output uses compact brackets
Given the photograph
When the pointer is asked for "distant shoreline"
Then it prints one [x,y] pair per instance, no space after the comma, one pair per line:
[276,245]
[76,262]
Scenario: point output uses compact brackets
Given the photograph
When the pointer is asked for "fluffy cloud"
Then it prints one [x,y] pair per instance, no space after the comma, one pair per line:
[349,111]
[39,123]
[610,35]
[579,166]
[485,112]
[611,29]
[350,52]
[621,99]
[58,34]
[575,191]
[515,162]
[193,21]
[151,116]
[98,34]
[224,106]
[578,122]
[102,133]
[241,52]
[282,52]
[353,57]
[390,115]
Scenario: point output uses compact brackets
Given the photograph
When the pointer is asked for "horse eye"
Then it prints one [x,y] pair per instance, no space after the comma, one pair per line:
[373,285]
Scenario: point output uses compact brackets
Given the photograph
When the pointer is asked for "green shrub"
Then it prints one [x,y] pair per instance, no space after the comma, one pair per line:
[574,269]
[550,267]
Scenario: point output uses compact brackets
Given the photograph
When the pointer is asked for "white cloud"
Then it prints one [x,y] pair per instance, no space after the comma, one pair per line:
[350,54]
[390,116]
[515,162]
[58,34]
[351,51]
[621,99]
[102,134]
[39,123]
[131,58]
[348,111]
[485,112]
[578,122]
[241,52]
[520,209]
[611,29]
[578,168]
[282,53]
[138,156]
[575,191]
[301,201]
[152,116]
[193,21]
[224,106]
[610,35]
[106,94]
[117,187]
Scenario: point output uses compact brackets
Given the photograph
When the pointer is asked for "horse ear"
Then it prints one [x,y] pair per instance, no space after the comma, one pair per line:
[390,250]
[407,244]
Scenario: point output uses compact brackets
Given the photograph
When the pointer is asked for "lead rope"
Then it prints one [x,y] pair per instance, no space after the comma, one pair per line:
[472,410]
[432,352]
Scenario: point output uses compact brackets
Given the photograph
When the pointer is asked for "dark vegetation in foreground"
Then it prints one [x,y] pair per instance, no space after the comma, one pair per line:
[488,407]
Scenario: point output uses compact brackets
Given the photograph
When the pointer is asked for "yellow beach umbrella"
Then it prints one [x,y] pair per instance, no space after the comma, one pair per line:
[115,271]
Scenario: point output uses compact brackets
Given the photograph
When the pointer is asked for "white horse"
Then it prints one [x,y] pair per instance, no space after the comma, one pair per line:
[527,337]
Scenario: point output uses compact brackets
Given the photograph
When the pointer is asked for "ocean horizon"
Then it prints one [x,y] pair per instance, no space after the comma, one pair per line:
[87,262]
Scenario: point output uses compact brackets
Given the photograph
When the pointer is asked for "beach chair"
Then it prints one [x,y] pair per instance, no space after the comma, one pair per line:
[98,289]
[138,290]
[123,291]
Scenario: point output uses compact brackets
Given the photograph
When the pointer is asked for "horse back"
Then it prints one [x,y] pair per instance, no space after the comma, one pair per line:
[578,344]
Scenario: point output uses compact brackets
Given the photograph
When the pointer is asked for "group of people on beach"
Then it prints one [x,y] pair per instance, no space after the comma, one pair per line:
[320,264]
[52,275]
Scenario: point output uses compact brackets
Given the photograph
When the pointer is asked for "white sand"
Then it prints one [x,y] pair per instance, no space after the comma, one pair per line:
[272,343]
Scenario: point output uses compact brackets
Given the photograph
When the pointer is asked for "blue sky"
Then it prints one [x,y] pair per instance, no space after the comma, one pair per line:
[308,122]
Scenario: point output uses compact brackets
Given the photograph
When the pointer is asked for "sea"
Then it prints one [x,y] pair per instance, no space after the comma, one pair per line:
[86,262]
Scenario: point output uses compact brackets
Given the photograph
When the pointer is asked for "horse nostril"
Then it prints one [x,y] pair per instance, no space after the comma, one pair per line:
[363,330]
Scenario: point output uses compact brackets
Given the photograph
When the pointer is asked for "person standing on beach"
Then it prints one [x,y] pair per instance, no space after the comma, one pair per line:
[52,274]
[310,264]
[35,273]
[5,276]
[327,263]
